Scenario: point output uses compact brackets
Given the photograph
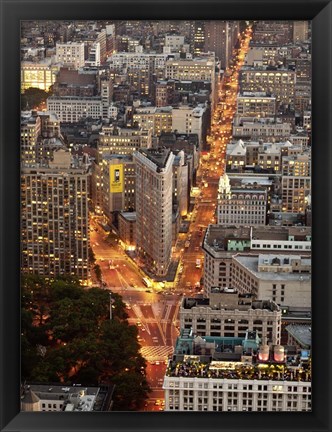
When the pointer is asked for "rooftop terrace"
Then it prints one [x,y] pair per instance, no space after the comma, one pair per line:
[193,367]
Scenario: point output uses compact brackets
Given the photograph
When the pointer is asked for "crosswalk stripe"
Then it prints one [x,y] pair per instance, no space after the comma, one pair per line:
[154,353]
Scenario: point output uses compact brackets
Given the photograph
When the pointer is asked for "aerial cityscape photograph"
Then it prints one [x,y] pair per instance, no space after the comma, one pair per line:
[165,216]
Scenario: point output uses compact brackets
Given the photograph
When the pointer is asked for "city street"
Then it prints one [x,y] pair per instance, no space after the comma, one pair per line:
[211,168]
[156,313]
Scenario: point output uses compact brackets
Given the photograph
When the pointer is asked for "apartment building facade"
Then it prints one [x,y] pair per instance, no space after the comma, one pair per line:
[241,205]
[284,279]
[70,54]
[224,317]
[54,228]
[279,82]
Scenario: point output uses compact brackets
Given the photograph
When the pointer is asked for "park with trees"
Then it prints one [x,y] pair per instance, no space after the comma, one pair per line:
[69,336]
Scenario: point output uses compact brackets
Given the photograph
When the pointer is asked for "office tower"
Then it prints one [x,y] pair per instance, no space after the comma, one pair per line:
[200,69]
[140,69]
[122,141]
[188,120]
[197,37]
[154,208]
[259,104]
[164,91]
[221,38]
[54,214]
[260,129]
[114,141]
[106,93]
[101,40]
[216,39]
[174,42]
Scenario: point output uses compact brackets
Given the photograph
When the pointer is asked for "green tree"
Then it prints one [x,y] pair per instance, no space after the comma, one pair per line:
[33,97]
[79,341]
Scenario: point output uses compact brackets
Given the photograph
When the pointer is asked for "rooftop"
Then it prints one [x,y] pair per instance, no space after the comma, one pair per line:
[251,263]
[255,95]
[75,397]
[75,98]
[197,367]
[217,235]
[236,358]
[301,333]
[243,303]
[280,233]
[157,156]
[129,216]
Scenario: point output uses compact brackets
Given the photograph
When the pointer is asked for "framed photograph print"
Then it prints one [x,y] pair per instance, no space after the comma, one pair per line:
[165,215]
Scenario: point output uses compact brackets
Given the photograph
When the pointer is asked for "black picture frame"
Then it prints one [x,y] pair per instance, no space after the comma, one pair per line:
[12,11]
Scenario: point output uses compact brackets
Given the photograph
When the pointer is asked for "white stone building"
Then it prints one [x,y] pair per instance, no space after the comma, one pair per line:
[236,374]
[222,242]
[249,128]
[226,314]
[71,109]
[70,54]
[188,120]
[250,104]
[284,279]
[241,205]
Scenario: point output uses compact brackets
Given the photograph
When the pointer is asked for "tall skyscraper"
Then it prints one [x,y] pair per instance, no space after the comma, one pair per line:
[54,214]
[197,37]
[220,38]
[154,208]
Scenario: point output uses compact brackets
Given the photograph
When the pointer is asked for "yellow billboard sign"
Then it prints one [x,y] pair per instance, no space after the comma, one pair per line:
[116,178]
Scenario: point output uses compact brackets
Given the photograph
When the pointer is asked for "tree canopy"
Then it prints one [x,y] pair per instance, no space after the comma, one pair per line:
[67,337]
[33,97]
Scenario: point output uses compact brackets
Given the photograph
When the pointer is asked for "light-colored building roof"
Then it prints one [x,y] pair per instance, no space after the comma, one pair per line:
[251,263]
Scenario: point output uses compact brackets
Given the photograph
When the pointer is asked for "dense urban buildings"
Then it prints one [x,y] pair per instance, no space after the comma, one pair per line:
[169,163]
